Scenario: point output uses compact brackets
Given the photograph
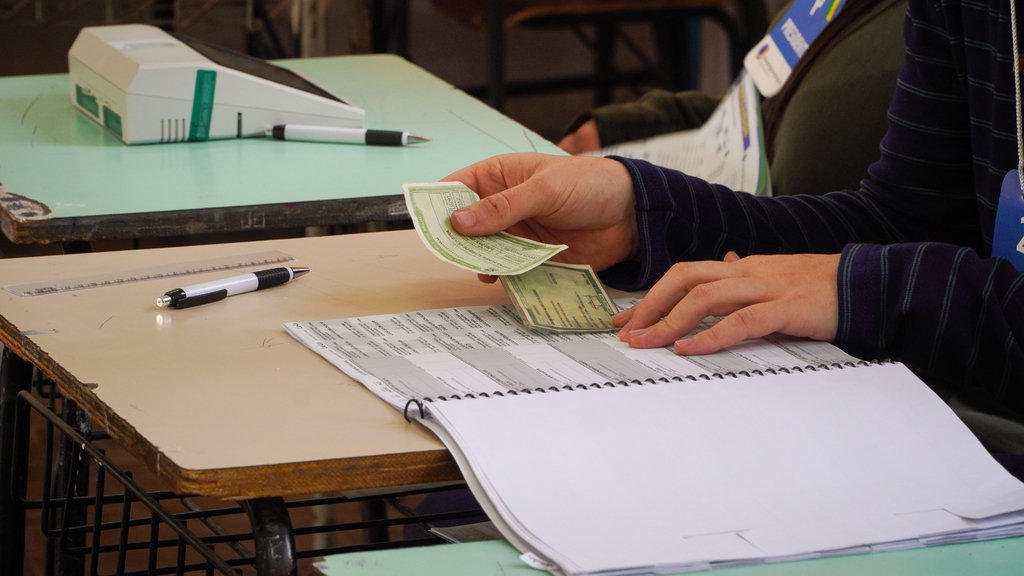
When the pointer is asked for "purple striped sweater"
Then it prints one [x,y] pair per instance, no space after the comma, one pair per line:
[916,281]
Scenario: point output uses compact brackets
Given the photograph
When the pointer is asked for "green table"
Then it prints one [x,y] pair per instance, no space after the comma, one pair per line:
[64,178]
[990,558]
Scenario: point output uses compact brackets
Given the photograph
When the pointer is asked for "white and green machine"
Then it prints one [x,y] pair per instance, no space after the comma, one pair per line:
[148,86]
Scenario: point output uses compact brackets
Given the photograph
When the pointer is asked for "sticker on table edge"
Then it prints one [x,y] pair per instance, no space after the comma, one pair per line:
[22,208]
[39,332]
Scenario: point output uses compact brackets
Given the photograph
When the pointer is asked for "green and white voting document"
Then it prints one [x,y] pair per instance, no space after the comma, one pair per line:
[431,207]
[561,297]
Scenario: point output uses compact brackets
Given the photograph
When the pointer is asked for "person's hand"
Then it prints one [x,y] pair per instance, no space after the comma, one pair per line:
[757,295]
[584,139]
[586,203]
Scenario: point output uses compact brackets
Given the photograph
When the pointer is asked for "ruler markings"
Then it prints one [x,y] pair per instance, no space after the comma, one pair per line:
[148,273]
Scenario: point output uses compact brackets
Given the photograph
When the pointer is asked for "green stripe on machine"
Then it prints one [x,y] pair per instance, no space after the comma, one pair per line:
[87,101]
[202,105]
[112,120]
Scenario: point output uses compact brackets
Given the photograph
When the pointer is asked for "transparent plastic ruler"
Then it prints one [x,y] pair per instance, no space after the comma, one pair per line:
[148,273]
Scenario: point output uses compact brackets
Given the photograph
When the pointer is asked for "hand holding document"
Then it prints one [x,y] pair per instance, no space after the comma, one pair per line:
[562,298]
[559,297]
[431,207]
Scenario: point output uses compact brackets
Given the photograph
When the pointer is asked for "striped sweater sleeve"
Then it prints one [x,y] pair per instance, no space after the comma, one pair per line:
[940,307]
[916,281]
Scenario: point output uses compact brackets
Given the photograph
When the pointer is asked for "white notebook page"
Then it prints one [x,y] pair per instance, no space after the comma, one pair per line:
[680,475]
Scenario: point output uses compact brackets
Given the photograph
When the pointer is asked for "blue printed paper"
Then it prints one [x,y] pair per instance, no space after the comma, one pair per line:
[772,60]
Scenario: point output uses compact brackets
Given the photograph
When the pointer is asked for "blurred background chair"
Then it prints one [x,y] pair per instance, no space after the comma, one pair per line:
[49,26]
[598,24]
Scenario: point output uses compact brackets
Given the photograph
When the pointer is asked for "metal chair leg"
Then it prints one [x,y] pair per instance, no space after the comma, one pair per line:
[15,376]
[71,564]
[375,509]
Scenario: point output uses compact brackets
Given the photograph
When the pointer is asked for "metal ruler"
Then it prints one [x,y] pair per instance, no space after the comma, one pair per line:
[149,273]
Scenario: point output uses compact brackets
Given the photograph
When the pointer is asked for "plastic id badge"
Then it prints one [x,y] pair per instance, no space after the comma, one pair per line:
[771,61]
[1008,240]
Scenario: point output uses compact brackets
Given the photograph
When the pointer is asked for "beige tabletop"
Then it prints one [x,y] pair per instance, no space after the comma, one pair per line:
[219,399]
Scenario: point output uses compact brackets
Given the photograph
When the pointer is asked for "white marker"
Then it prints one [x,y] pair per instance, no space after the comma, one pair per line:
[344,135]
[207,292]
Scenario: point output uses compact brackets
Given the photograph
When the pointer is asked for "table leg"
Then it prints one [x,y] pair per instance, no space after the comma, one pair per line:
[375,509]
[378,26]
[71,564]
[260,13]
[676,52]
[312,20]
[15,376]
[400,21]
[272,536]
[496,54]
[604,67]
[163,12]
[76,247]
[389,27]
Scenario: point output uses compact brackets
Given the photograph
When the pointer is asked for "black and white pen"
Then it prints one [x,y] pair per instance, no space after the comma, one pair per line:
[215,290]
[344,135]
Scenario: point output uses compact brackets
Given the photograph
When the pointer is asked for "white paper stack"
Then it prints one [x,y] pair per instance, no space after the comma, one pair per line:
[596,458]
[689,476]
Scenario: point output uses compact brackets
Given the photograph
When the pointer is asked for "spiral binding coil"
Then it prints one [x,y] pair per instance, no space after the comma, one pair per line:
[405,412]
[663,380]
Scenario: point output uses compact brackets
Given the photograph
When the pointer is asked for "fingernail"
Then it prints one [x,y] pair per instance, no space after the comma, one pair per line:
[639,331]
[465,218]
[624,331]
[682,345]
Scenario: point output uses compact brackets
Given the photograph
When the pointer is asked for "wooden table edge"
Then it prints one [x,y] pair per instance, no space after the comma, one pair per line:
[202,221]
[380,472]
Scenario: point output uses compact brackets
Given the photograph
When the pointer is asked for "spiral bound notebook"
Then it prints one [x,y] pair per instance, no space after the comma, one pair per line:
[595,458]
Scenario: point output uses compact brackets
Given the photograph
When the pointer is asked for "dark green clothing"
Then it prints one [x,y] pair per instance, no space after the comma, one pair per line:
[846,92]
[657,112]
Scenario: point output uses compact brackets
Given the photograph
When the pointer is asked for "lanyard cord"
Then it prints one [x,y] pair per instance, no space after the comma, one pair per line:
[1016,87]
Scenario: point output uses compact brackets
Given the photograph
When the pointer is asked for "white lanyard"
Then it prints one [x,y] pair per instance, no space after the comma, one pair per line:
[1016,88]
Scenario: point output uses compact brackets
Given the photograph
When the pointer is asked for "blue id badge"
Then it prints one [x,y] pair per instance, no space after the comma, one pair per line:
[772,59]
[1008,240]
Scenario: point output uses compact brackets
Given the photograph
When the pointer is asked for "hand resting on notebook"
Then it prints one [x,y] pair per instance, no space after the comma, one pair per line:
[588,204]
[758,295]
